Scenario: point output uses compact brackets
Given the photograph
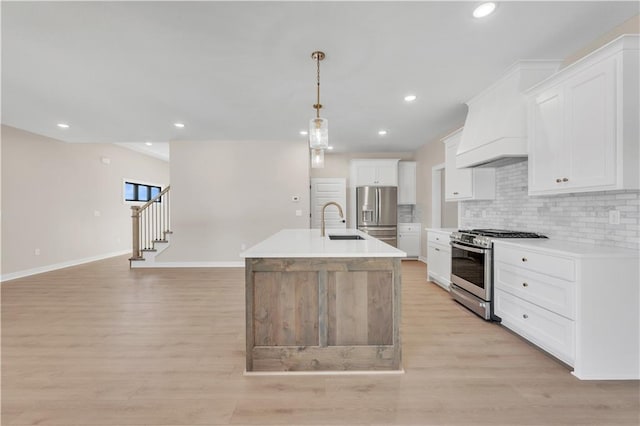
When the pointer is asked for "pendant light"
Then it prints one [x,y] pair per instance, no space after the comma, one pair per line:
[317,158]
[318,126]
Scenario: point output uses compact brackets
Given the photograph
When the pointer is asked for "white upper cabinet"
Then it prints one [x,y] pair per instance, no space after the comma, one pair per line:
[374,172]
[583,124]
[407,182]
[467,183]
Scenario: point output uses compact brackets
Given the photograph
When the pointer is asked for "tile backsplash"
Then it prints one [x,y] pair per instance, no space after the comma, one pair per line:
[406,213]
[580,217]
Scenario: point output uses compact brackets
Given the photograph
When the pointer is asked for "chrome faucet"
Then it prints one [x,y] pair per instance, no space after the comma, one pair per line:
[323,209]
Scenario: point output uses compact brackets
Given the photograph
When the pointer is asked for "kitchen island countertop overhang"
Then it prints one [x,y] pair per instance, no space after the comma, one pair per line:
[294,243]
[319,305]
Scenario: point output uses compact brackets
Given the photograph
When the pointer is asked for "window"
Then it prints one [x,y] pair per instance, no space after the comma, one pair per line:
[140,192]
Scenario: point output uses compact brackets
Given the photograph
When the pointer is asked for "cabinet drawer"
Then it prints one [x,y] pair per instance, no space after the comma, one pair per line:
[409,228]
[438,238]
[552,332]
[560,267]
[550,293]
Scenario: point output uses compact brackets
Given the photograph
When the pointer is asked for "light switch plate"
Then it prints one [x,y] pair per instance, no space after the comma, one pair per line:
[614,217]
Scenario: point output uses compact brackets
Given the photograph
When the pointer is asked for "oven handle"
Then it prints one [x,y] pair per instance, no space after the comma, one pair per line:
[473,249]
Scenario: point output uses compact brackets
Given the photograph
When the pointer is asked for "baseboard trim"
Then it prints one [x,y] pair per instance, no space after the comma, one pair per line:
[61,265]
[323,373]
[144,264]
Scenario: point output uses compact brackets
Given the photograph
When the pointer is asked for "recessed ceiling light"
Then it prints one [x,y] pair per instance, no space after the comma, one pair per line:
[179,125]
[304,132]
[63,125]
[148,143]
[382,132]
[484,9]
[329,147]
[410,98]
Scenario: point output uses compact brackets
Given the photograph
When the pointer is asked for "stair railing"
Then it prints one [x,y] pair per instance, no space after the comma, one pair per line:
[150,222]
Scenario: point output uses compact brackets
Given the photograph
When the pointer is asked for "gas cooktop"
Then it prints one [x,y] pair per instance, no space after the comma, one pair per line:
[484,237]
[501,233]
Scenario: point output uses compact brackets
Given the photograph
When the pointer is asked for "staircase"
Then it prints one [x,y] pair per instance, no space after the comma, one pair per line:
[151,230]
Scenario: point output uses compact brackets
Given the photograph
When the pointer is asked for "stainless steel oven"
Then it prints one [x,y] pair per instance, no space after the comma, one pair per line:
[472,267]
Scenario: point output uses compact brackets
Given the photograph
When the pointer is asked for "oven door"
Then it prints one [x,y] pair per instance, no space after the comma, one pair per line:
[471,269]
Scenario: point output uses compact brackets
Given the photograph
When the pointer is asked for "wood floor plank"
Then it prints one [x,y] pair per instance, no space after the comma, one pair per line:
[100,344]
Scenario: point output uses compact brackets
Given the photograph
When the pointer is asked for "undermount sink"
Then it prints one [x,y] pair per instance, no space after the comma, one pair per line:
[345,237]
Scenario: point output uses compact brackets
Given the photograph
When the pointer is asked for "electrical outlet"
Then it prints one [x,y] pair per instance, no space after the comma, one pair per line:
[295,198]
[243,246]
[298,212]
[614,217]
[96,213]
[36,252]
[484,213]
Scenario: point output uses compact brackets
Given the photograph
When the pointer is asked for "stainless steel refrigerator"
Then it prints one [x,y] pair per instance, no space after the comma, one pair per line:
[377,212]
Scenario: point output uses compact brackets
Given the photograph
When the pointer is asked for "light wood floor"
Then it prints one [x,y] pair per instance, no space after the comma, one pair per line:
[100,344]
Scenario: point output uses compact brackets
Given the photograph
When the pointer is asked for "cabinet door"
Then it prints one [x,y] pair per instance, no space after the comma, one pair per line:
[366,174]
[409,243]
[406,182]
[458,182]
[546,139]
[387,175]
[590,127]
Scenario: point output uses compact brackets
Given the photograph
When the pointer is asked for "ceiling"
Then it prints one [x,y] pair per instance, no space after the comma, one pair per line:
[124,72]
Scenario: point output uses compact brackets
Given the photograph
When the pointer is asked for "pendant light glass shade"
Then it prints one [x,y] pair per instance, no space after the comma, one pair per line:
[317,158]
[318,133]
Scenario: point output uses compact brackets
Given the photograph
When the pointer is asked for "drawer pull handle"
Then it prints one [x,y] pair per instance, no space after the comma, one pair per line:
[565,179]
[437,249]
[455,193]
[525,285]
[525,316]
[558,180]
[437,239]
[524,259]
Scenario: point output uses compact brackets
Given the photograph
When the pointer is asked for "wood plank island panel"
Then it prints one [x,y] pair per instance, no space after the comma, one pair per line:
[360,308]
[287,314]
[310,314]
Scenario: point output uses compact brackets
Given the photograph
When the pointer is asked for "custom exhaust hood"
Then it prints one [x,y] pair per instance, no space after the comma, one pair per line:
[495,131]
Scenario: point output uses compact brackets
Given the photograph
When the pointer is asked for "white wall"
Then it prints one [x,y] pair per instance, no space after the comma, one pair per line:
[429,155]
[51,191]
[226,194]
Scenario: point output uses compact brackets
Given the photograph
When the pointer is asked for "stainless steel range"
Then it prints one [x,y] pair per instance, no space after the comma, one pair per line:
[472,267]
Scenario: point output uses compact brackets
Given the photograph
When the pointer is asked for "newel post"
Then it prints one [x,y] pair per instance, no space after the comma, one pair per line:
[135,229]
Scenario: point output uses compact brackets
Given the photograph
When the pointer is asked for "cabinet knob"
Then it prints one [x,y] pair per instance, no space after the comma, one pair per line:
[437,239]
[565,179]
[558,180]
[524,259]
[525,316]
[437,249]
[525,285]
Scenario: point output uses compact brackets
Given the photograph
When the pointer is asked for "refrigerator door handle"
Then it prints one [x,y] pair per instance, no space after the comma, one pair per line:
[378,207]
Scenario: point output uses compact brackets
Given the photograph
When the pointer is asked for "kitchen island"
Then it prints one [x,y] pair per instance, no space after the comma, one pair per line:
[317,304]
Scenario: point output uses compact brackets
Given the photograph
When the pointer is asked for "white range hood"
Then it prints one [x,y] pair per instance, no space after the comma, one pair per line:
[495,131]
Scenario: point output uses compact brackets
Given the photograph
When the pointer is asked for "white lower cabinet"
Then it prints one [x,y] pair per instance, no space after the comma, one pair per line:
[552,332]
[439,257]
[579,303]
[409,239]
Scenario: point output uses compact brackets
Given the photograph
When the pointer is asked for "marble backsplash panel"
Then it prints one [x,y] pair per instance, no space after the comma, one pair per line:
[579,217]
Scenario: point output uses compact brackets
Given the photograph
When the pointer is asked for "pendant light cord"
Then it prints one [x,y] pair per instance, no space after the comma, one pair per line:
[318,106]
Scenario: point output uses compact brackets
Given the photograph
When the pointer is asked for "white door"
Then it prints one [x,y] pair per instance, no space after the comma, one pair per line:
[324,190]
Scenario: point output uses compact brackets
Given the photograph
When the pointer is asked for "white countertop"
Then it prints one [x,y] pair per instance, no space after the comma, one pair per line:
[565,248]
[443,230]
[309,243]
